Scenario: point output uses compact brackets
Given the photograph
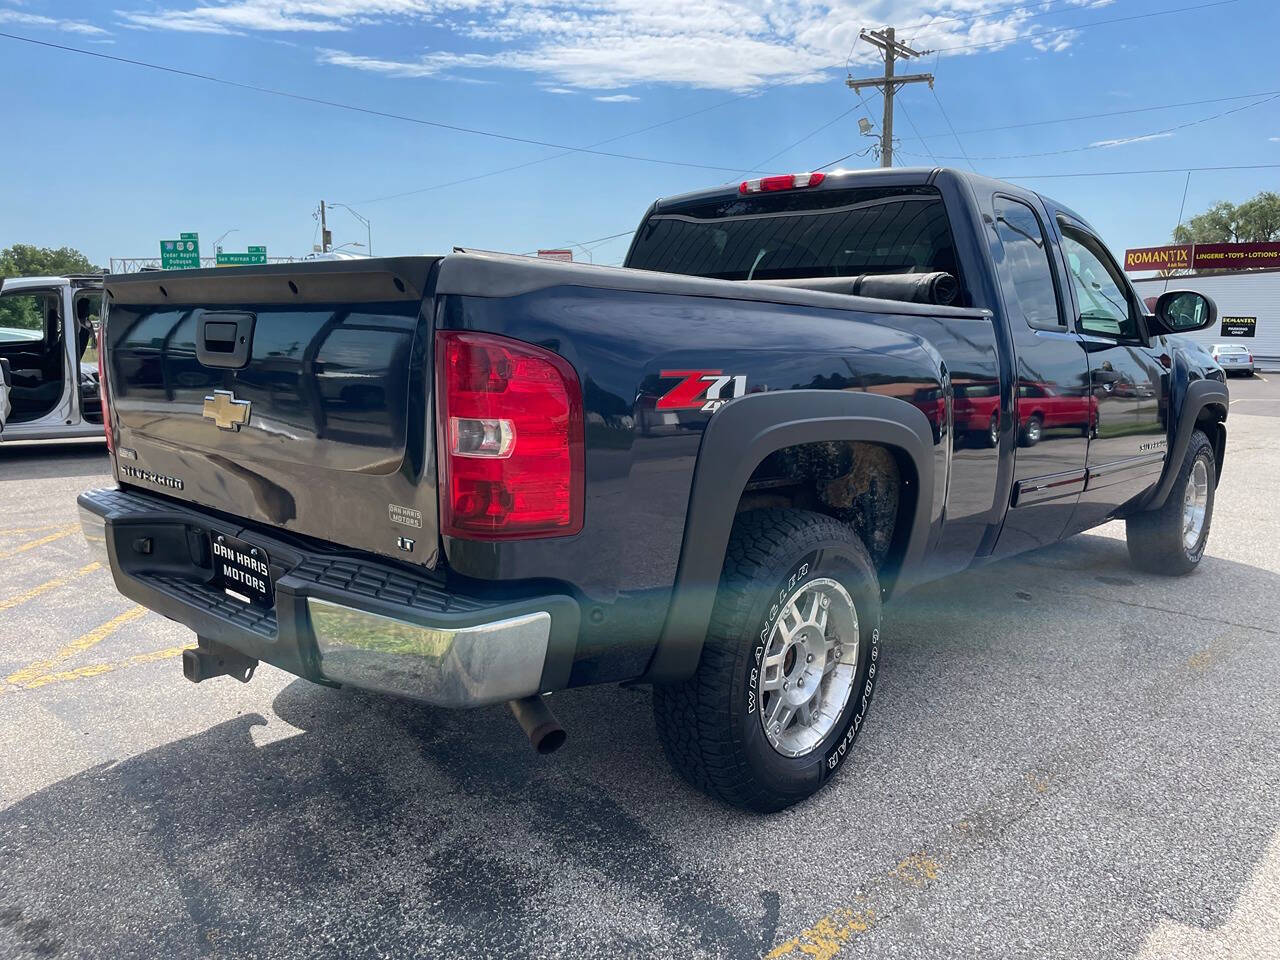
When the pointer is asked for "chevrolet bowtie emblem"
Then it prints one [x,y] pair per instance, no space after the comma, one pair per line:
[226,411]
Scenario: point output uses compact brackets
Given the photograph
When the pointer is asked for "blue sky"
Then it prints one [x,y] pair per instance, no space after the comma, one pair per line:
[112,158]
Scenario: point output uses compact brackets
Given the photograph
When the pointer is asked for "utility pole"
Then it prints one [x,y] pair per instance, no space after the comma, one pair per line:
[889,83]
[326,238]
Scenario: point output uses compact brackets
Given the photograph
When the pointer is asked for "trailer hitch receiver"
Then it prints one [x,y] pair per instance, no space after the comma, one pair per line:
[209,659]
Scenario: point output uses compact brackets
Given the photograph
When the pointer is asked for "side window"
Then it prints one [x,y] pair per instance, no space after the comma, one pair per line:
[1025,274]
[1105,307]
[23,316]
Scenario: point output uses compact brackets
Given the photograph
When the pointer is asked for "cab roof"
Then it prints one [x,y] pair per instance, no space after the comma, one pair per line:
[876,177]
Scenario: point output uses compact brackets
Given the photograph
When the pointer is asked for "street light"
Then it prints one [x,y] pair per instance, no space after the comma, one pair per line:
[217,244]
[365,220]
[353,243]
[590,258]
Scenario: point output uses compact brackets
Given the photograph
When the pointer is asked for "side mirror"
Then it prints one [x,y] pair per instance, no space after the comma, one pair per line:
[1181,311]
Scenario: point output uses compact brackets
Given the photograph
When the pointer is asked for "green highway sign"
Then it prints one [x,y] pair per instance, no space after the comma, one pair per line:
[255,255]
[181,254]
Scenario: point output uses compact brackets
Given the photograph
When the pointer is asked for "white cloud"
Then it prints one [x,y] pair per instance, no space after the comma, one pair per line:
[1055,43]
[1121,141]
[617,98]
[1274,139]
[559,90]
[78,27]
[737,45]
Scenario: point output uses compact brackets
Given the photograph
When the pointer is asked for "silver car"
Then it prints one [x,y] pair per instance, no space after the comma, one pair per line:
[1233,358]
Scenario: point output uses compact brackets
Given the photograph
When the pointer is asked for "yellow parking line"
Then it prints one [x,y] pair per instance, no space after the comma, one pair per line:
[47,586]
[824,939]
[14,530]
[26,675]
[64,532]
[97,669]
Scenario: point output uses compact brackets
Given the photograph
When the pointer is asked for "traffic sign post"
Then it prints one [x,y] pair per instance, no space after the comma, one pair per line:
[254,256]
[181,254]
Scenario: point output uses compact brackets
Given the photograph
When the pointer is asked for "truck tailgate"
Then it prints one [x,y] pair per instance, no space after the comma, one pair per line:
[296,396]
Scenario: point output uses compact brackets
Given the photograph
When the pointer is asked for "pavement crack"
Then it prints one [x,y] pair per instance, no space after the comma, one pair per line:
[1159,609]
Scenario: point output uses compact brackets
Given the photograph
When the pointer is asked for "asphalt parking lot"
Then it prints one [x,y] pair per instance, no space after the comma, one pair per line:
[1066,758]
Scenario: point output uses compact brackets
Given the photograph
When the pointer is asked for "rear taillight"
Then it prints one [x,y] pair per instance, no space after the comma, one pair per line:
[787,181]
[509,437]
[102,386]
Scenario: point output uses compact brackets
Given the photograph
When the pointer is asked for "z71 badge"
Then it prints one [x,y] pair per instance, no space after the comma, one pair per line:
[706,390]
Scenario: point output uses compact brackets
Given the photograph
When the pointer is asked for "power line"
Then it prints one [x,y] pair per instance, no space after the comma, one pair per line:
[589,243]
[386,115]
[1081,26]
[807,136]
[1136,173]
[563,153]
[991,13]
[1102,144]
[953,131]
[856,153]
[903,107]
[1102,116]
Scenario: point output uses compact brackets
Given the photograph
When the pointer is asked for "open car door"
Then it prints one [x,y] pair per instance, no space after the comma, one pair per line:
[6,381]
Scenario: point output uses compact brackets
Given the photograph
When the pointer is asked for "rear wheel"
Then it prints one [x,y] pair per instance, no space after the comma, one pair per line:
[993,431]
[1171,540]
[788,666]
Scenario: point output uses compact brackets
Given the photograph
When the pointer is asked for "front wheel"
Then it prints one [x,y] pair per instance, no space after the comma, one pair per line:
[788,666]
[1033,431]
[1171,540]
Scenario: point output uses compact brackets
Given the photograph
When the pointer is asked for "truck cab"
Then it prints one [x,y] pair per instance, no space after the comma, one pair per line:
[48,358]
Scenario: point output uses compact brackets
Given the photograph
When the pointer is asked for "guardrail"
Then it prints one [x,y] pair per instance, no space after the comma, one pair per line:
[137,264]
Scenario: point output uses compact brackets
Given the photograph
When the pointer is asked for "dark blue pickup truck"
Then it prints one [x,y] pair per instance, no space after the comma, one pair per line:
[481,478]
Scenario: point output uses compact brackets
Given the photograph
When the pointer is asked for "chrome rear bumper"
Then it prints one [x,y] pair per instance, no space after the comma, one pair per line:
[336,620]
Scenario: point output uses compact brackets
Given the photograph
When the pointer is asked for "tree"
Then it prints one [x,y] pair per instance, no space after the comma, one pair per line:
[1254,221]
[27,260]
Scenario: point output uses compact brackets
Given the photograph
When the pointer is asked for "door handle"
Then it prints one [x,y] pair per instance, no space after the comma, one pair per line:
[224,338]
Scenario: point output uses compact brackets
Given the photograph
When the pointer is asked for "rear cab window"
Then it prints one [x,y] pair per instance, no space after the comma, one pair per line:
[1023,265]
[798,234]
[27,316]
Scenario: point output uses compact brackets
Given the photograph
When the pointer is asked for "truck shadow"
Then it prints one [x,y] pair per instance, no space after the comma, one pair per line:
[47,461]
[351,825]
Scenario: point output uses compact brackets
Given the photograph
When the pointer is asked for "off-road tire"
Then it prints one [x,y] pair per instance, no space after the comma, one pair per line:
[709,725]
[1155,537]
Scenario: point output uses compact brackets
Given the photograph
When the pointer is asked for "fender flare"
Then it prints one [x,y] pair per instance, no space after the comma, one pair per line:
[1199,394]
[734,443]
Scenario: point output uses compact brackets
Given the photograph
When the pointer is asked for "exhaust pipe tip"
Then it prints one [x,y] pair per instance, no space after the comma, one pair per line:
[538,723]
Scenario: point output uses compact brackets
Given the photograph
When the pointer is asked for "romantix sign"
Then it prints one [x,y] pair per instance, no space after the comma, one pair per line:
[1172,257]
[1235,256]
[1203,256]
[1239,326]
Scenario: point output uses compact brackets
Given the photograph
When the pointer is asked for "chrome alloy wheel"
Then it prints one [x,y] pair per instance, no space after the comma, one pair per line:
[807,672]
[1194,504]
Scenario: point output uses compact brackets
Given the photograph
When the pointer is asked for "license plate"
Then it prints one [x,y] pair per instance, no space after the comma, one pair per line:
[242,571]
